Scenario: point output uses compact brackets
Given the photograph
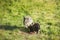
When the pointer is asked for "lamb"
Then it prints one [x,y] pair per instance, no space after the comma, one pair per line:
[33,27]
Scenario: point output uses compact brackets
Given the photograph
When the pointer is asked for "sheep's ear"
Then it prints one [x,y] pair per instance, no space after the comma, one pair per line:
[23,20]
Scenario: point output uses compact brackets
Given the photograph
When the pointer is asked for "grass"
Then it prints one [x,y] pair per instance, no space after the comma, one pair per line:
[46,12]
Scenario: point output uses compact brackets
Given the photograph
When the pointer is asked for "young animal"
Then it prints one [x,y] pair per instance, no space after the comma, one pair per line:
[33,27]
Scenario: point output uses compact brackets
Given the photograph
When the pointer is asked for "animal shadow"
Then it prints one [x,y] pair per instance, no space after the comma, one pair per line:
[10,28]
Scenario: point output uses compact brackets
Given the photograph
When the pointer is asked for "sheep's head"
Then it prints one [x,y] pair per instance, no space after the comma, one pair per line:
[27,21]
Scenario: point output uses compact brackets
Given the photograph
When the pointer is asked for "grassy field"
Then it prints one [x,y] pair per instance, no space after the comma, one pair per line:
[46,12]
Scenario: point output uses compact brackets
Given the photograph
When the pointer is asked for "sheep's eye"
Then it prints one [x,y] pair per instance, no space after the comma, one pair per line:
[27,18]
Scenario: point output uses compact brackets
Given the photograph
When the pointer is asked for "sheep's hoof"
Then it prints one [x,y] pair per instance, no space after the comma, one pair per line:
[31,32]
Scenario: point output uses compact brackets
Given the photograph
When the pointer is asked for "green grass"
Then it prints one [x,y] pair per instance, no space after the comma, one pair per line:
[46,12]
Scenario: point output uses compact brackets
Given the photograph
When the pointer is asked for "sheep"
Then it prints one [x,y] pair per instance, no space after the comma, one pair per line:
[33,27]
